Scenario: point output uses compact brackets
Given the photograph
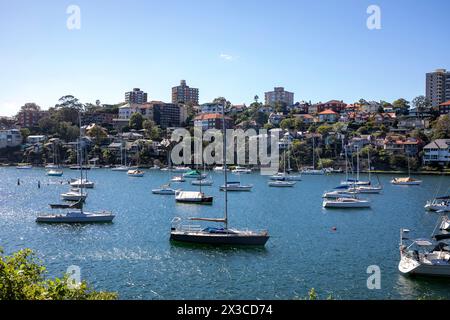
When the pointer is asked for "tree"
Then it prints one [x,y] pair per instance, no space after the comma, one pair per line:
[25,132]
[136,121]
[98,133]
[67,131]
[324,129]
[30,106]
[48,125]
[22,277]
[287,124]
[108,156]
[69,101]
[256,98]
[148,125]
[400,106]
[422,104]
[441,128]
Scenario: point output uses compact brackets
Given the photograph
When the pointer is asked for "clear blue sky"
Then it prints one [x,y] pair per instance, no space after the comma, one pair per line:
[320,50]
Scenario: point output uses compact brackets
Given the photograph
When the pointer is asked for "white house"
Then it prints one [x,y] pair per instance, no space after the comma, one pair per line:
[211,108]
[437,151]
[10,138]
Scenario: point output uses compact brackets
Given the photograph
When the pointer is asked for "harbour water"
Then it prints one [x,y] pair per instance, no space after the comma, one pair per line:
[134,256]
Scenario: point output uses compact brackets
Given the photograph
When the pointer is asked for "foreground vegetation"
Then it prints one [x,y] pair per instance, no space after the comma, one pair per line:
[22,277]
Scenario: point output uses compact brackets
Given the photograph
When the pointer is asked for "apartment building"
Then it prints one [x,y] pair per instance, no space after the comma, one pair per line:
[438,87]
[185,94]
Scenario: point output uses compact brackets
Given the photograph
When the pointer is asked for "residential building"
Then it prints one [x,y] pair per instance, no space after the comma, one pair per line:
[279,95]
[169,114]
[335,105]
[100,118]
[207,121]
[136,96]
[444,108]
[30,118]
[437,151]
[370,107]
[211,108]
[413,122]
[328,116]
[10,138]
[438,87]
[275,118]
[306,118]
[36,139]
[184,94]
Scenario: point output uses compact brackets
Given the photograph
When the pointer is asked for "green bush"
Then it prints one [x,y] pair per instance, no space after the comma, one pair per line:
[22,277]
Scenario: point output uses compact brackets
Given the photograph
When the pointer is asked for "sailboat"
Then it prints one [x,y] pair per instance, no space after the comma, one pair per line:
[83,182]
[408,181]
[196,197]
[189,233]
[282,180]
[123,165]
[136,172]
[54,168]
[313,170]
[367,188]
[285,175]
[349,181]
[73,215]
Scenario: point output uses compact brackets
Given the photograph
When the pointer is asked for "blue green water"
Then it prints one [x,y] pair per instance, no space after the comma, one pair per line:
[134,256]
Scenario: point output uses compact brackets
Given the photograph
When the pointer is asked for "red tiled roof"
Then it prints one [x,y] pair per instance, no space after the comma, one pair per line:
[210,116]
[445,104]
[328,111]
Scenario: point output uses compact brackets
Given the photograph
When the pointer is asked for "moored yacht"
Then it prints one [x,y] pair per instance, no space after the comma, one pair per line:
[74,194]
[236,186]
[423,257]
[406,181]
[281,184]
[77,216]
[438,204]
[135,173]
[164,190]
[195,197]
[239,169]
[81,183]
[346,203]
[55,173]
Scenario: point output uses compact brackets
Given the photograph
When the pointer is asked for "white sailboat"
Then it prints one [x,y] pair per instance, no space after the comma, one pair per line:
[189,233]
[240,169]
[74,194]
[54,170]
[123,165]
[312,170]
[281,184]
[408,181]
[285,175]
[346,203]
[77,216]
[353,182]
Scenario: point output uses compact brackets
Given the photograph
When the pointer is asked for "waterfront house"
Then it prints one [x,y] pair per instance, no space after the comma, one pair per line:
[329,116]
[437,151]
[10,138]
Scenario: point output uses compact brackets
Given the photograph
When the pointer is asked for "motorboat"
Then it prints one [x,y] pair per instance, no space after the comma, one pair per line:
[310,171]
[445,223]
[55,173]
[120,168]
[283,176]
[78,167]
[81,183]
[177,179]
[202,182]
[74,194]
[195,174]
[219,169]
[24,166]
[51,166]
[192,197]
[281,184]
[236,186]
[406,181]
[239,169]
[347,203]
[77,216]
[423,257]
[155,167]
[135,173]
[164,190]
[439,204]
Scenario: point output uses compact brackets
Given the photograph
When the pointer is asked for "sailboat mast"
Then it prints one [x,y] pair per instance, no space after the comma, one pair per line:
[368,162]
[80,160]
[314,152]
[224,157]
[346,164]
[357,163]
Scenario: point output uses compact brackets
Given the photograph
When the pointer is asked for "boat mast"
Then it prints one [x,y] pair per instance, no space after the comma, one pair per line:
[224,159]
[314,153]
[80,160]
[368,162]
[357,163]
[346,164]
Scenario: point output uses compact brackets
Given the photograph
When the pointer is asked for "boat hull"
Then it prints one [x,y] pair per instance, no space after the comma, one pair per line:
[346,205]
[408,266]
[64,219]
[204,200]
[238,240]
